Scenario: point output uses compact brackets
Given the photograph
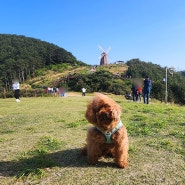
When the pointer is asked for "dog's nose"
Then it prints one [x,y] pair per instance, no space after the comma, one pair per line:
[105,115]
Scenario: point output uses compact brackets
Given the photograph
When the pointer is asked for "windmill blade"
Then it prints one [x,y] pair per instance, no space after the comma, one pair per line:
[110,59]
[101,48]
[108,50]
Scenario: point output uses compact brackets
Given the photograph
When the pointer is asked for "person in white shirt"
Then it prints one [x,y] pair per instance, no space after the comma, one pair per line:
[16,89]
[83,91]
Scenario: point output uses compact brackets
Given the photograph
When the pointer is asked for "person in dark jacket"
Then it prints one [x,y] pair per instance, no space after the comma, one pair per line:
[134,92]
[146,89]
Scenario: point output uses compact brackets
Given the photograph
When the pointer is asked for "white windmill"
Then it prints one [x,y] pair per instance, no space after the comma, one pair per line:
[104,56]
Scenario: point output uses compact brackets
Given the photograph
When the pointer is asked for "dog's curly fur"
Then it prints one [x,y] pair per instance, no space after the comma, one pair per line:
[104,113]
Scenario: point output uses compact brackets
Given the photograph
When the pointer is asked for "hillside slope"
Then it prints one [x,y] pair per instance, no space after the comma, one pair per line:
[21,56]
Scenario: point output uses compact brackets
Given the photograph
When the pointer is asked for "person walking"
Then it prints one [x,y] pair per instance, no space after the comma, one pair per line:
[83,91]
[16,89]
[146,89]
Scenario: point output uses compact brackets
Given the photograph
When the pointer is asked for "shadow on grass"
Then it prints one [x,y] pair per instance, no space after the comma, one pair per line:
[32,165]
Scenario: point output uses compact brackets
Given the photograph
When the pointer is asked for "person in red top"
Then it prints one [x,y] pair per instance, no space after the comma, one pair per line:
[139,92]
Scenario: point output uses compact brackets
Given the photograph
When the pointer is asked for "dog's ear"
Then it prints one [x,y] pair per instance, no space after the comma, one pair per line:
[116,113]
[90,114]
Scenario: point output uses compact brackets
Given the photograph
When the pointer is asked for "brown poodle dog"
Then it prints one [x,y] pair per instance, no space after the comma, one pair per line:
[108,137]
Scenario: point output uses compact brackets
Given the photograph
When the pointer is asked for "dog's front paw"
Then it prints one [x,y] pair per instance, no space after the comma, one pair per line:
[93,161]
[122,164]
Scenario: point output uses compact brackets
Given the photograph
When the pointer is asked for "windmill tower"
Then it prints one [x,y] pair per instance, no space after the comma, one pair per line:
[104,56]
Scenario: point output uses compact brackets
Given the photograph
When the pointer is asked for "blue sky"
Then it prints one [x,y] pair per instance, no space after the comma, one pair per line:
[151,30]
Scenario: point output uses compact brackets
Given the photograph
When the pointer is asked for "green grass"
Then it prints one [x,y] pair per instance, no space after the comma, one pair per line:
[40,139]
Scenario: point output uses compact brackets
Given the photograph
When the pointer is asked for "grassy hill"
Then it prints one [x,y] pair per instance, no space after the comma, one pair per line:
[48,76]
[40,140]
[38,64]
[21,57]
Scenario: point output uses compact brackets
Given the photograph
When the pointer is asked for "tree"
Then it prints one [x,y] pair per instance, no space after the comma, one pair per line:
[21,56]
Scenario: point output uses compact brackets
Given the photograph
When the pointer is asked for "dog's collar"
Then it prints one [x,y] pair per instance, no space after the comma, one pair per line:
[109,134]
